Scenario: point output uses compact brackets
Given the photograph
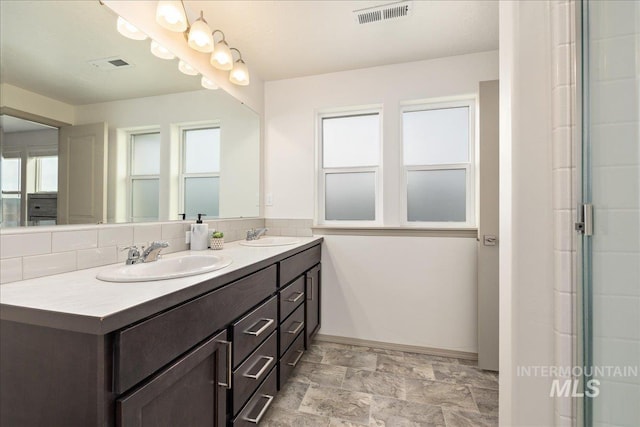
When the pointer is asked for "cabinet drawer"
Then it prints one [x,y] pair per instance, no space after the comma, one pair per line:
[292,267]
[144,348]
[291,359]
[253,371]
[251,330]
[254,410]
[291,297]
[290,328]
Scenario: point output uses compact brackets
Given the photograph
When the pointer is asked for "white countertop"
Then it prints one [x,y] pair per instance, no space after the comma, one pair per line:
[78,301]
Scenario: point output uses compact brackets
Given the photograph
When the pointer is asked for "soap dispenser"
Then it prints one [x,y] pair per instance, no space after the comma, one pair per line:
[199,235]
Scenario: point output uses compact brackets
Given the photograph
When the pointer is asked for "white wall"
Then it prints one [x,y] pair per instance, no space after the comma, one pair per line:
[526,213]
[407,290]
[240,146]
[19,99]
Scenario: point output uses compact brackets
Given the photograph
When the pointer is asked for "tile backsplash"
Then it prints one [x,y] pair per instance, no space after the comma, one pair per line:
[27,253]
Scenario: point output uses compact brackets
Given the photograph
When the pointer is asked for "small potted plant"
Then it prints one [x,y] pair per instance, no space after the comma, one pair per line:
[216,241]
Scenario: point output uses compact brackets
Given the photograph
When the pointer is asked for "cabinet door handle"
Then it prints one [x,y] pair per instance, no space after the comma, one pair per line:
[300,294]
[229,363]
[248,331]
[296,330]
[295,362]
[261,371]
[257,419]
[311,291]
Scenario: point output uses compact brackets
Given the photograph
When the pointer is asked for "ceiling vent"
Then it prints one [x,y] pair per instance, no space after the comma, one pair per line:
[108,64]
[396,10]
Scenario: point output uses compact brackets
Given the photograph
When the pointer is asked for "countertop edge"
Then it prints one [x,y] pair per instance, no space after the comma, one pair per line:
[104,325]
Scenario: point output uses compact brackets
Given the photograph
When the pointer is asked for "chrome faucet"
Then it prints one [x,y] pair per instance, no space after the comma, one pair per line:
[149,254]
[255,233]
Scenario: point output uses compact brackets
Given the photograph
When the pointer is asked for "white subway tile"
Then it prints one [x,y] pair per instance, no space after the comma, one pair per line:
[64,241]
[115,236]
[560,25]
[563,271]
[11,269]
[144,234]
[175,230]
[24,244]
[616,101]
[615,144]
[561,106]
[613,18]
[622,317]
[175,245]
[616,231]
[562,147]
[616,187]
[288,231]
[619,271]
[304,232]
[616,352]
[88,258]
[562,187]
[46,265]
[563,312]
[562,74]
[563,230]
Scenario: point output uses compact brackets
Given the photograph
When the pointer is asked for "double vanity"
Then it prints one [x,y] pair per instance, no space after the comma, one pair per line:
[210,349]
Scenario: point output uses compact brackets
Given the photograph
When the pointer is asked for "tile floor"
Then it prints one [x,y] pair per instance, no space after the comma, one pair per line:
[351,386]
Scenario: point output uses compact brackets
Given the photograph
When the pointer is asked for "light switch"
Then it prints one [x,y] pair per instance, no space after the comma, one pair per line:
[268,199]
[489,240]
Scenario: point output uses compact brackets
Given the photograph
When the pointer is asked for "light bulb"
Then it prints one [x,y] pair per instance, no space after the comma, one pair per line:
[186,68]
[221,57]
[160,51]
[240,74]
[170,14]
[200,37]
[129,31]
[208,84]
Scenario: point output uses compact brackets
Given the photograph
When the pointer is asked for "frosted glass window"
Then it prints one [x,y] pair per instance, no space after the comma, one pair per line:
[202,150]
[434,137]
[145,199]
[351,141]
[11,210]
[145,154]
[436,195]
[350,196]
[202,195]
[48,173]
[11,174]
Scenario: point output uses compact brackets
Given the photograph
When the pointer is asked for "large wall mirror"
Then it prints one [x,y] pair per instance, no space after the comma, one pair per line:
[97,129]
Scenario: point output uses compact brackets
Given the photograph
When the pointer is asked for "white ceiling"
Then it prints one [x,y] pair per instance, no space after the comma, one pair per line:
[46,45]
[11,124]
[284,39]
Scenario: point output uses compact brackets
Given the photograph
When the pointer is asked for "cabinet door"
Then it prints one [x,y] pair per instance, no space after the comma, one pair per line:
[312,305]
[190,392]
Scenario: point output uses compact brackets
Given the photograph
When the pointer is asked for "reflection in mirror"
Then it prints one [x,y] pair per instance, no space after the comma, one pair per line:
[137,142]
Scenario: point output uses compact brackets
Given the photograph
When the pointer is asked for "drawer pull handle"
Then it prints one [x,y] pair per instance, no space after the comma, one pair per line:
[248,331]
[258,374]
[300,295]
[311,291]
[229,363]
[257,419]
[296,330]
[295,362]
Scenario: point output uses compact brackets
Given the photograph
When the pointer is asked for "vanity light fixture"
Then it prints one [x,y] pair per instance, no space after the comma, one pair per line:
[239,75]
[128,30]
[200,37]
[221,58]
[208,83]
[187,69]
[160,51]
[171,15]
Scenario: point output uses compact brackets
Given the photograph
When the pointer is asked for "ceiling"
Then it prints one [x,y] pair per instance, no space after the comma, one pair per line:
[46,46]
[11,124]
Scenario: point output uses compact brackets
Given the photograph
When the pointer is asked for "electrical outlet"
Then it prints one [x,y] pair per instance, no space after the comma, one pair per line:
[268,199]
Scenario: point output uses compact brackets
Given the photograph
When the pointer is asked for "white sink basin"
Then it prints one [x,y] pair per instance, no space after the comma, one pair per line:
[165,268]
[270,241]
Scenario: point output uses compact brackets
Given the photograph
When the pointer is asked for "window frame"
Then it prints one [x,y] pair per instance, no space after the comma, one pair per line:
[469,166]
[182,175]
[322,172]
[131,177]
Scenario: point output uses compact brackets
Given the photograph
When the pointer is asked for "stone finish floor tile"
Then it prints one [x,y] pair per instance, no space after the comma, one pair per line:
[440,394]
[337,403]
[373,382]
[339,385]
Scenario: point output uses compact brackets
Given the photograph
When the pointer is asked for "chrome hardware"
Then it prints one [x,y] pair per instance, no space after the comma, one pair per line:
[296,330]
[133,257]
[257,419]
[255,233]
[227,385]
[295,362]
[248,331]
[149,254]
[296,299]
[258,374]
[585,219]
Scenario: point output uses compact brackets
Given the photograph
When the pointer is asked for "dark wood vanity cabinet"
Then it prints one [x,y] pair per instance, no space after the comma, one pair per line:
[216,359]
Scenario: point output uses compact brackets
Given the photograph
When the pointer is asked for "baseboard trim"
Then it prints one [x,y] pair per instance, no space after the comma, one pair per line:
[399,347]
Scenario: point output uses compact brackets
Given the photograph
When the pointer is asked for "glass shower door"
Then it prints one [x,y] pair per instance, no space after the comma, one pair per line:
[611,184]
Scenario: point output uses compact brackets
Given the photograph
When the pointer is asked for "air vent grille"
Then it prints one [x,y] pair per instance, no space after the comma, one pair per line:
[382,13]
[113,63]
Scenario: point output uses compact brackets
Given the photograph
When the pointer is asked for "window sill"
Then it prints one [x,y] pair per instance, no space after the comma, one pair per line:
[469,233]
